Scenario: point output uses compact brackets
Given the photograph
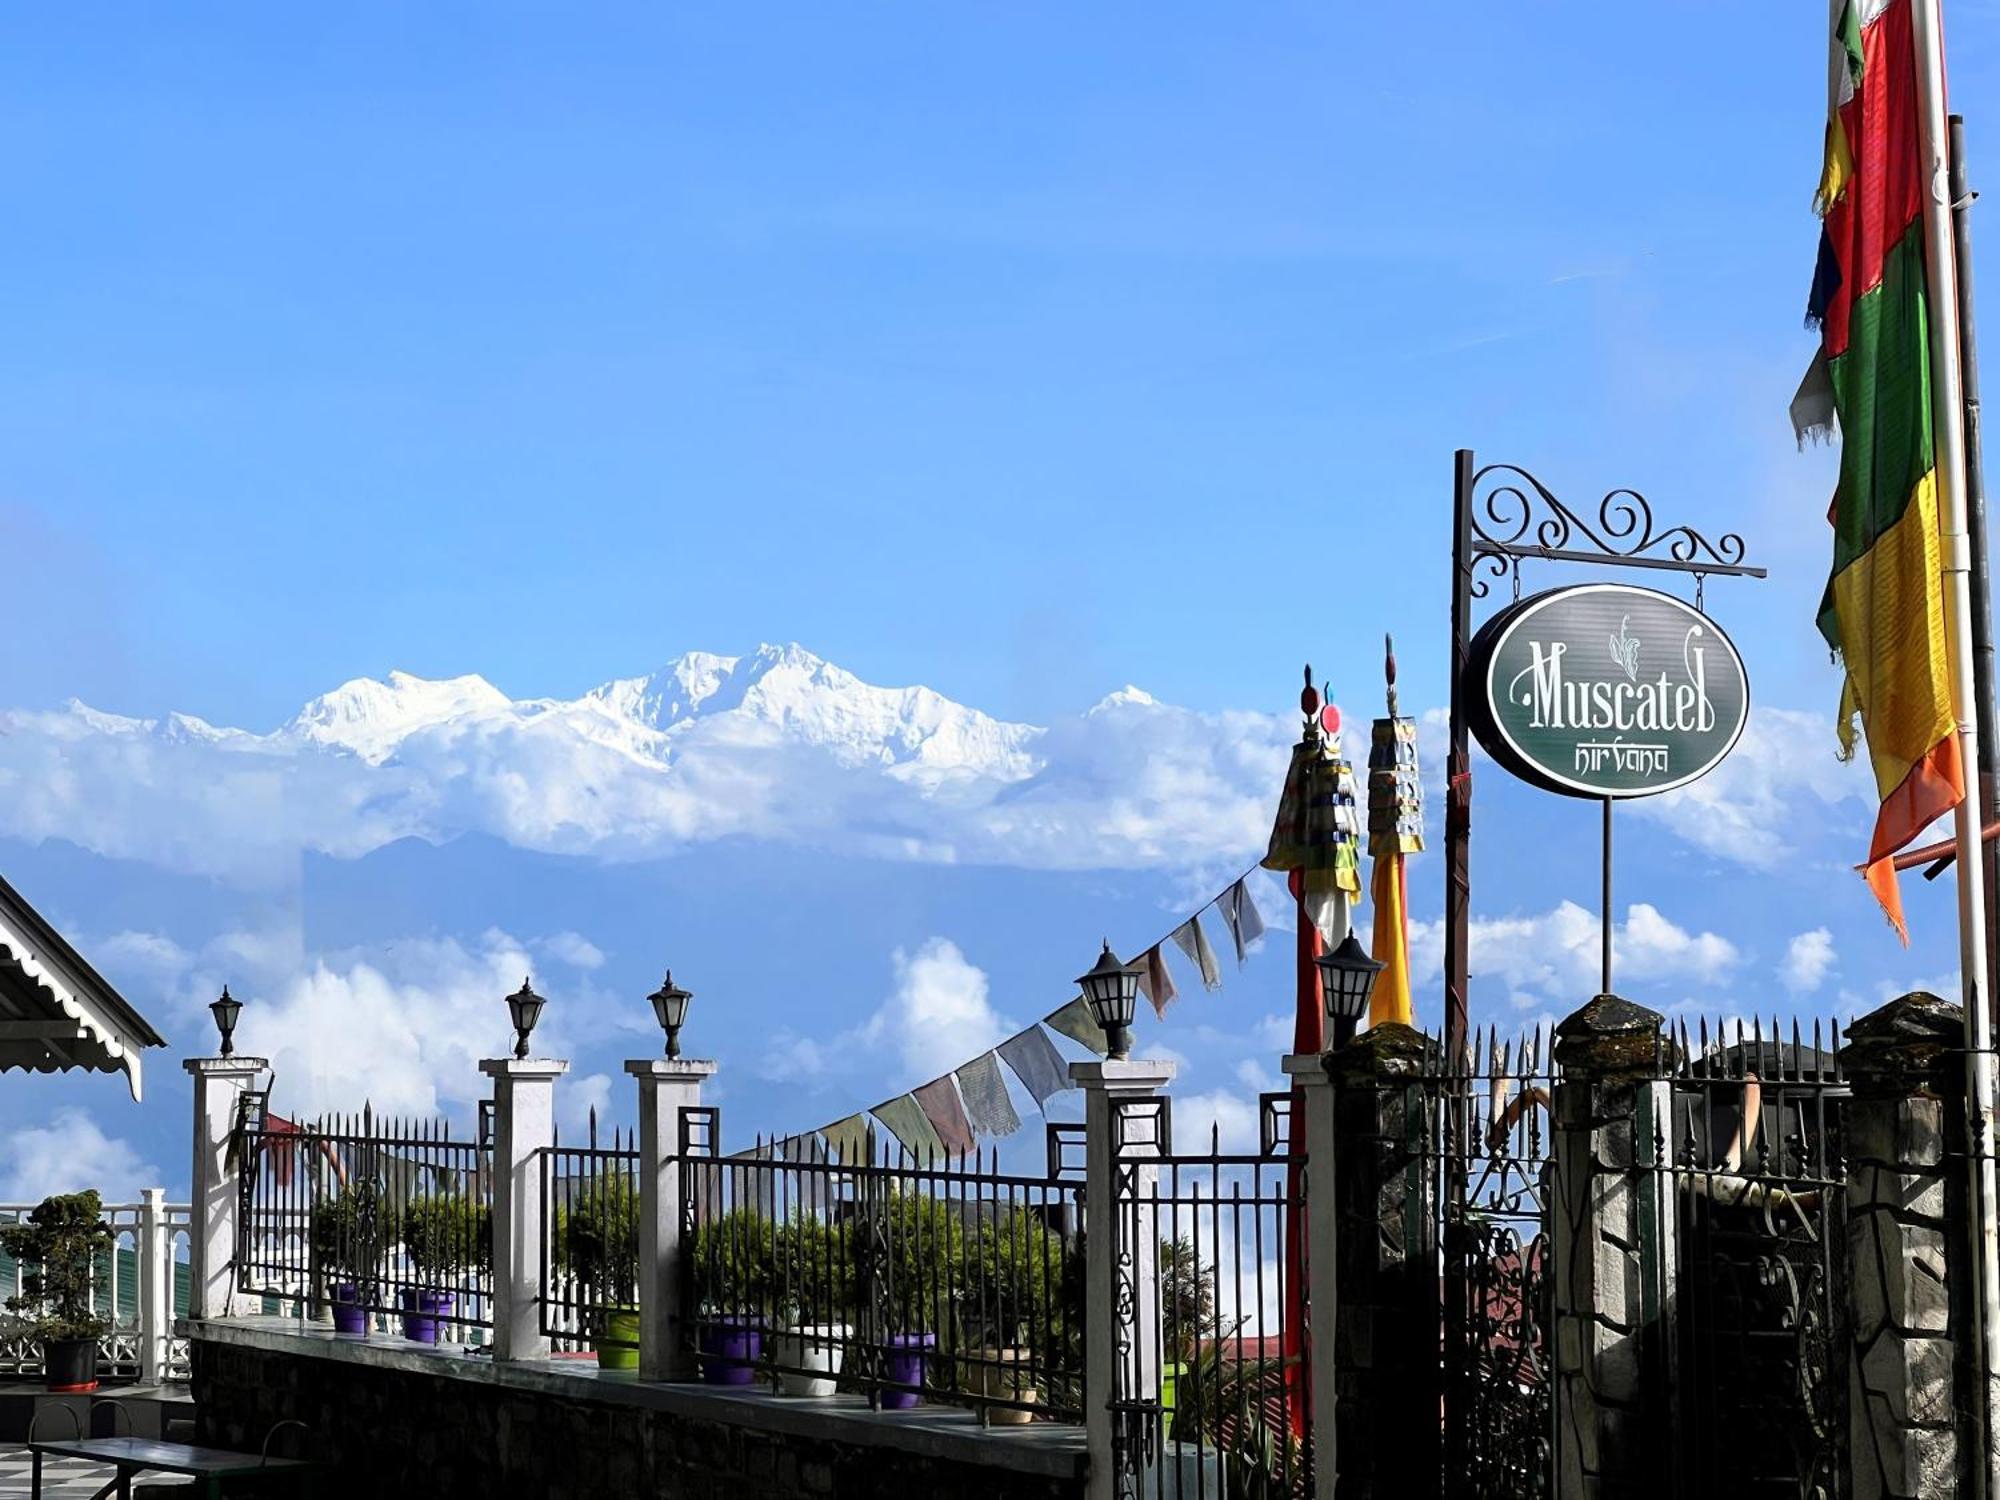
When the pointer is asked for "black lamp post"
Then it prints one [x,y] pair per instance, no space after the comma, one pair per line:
[1346,979]
[670,1005]
[225,1010]
[1111,989]
[525,1006]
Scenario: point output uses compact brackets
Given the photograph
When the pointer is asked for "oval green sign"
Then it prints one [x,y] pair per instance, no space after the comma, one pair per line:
[1606,690]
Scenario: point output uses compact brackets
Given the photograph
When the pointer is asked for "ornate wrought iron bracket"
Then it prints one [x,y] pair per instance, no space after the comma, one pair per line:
[1514,515]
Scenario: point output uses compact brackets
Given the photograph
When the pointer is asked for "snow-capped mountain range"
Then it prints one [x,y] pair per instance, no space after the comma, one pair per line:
[775,744]
[781,689]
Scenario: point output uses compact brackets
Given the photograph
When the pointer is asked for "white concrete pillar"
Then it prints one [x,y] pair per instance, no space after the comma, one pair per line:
[666,1087]
[524,1124]
[1112,1363]
[1308,1072]
[155,1256]
[219,1083]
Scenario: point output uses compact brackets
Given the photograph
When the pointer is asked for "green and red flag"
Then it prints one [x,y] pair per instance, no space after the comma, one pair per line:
[1884,610]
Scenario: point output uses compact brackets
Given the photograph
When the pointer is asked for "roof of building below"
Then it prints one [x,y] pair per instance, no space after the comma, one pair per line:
[57,1013]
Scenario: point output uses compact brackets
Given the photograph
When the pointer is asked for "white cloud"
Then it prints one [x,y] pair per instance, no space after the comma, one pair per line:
[1783,775]
[938,1016]
[572,948]
[1219,1118]
[575,1101]
[67,1155]
[403,1029]
[791,1058]
[1808,961]
[1554,958]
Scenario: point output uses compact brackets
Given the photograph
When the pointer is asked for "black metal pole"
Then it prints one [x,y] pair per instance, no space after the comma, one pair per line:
[1604,988]
[1975,513]
[1458,768]
[1441,1478]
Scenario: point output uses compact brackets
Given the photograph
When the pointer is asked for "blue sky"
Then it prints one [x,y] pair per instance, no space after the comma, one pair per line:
[1019,351]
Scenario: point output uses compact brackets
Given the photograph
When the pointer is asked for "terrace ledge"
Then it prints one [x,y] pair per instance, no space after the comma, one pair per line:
[1052,1449]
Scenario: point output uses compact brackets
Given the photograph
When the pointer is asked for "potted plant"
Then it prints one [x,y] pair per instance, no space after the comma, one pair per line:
[597,1243]
[58,1246]
[444,1233]
[734,1256]
[923,1233]
[350,1233]
[1019,1269]
[815,1277]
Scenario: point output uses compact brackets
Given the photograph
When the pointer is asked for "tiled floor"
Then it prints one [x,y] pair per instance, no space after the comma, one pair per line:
[63,1478]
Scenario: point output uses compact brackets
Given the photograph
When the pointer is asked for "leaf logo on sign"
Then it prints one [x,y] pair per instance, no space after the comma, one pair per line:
[1625,649]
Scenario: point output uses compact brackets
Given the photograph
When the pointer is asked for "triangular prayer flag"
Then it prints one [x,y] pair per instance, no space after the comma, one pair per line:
[939,1101]
[985,1093]
[1038,1065]
[1076,1022]
[1192,941]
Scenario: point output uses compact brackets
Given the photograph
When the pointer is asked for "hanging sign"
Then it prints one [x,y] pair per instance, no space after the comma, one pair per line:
[1606,690]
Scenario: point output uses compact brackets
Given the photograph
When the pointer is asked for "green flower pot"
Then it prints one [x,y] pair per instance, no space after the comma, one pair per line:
[621,1324]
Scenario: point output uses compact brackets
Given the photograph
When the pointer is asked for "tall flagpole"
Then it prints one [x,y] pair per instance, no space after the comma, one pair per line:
[1948,419]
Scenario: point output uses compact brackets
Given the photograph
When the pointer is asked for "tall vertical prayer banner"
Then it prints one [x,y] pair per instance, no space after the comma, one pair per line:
[1884,608]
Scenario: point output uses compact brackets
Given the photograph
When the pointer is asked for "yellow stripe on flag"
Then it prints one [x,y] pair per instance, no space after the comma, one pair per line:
[1890,605]
[1391,1000]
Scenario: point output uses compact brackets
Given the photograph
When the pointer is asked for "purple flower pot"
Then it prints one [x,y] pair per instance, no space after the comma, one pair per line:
[421,1311]
[349,1316]
[730,1349]
[903,1359]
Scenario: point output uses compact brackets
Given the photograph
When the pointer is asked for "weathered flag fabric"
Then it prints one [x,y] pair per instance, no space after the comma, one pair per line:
[1240,915]
[1076,1022]
[1155,983]
[1192,941]
[1038,1065]
[848,1139]
[1883,612]
[904,1118]
[984,1091]
[939,1101]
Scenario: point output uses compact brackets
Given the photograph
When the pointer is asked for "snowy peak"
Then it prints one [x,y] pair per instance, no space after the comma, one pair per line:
[788,693]
[371,718]
[663,698]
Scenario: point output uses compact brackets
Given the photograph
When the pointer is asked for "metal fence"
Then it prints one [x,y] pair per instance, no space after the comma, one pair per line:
[369,1220]
[1745,1365]
[1757,1158]
[898,1277]
[590,1243]
[140,1287]
[1211,1395]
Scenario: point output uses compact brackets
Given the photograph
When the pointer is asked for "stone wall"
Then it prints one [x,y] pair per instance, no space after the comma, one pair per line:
[410,1422]
[1906,1107]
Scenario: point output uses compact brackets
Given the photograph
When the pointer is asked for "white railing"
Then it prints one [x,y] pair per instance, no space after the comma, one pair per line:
[140,1291]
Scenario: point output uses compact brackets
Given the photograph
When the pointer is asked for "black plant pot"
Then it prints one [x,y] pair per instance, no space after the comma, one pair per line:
[70,1364]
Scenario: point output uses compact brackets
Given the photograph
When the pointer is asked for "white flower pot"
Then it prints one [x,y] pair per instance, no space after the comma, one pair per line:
[812,1346]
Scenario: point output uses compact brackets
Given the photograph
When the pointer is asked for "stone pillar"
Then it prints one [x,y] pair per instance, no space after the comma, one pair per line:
[1614,1234]
[153,1252]
[1904,1123]
[1377,1337]
[524,1123]
[1119,1356]
[219,1084]
[666,1087]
